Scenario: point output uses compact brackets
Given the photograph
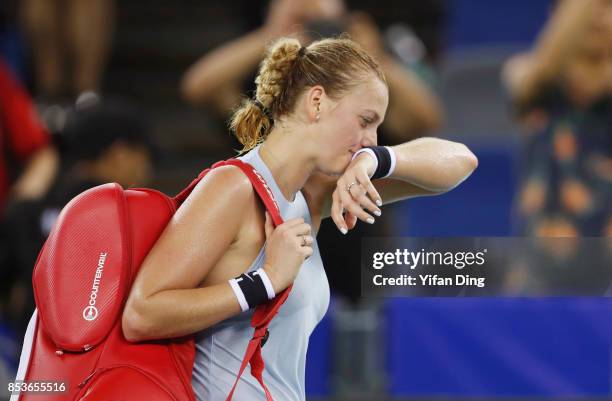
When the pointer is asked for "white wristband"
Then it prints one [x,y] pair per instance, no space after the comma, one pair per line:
[393,161]
[371,153]
[267,283]
[244,305]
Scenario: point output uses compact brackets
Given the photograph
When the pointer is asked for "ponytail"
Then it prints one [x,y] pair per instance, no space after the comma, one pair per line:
[251,124]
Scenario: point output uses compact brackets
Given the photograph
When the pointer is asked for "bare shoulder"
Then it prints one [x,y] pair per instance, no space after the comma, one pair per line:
[222,183]
[198,234]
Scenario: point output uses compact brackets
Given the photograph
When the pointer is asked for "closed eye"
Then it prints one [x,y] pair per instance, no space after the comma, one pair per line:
[365,122]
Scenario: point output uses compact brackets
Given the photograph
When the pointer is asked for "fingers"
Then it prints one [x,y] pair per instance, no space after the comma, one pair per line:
[296,233]
[353,206]
[362,195]
[305,245]
[289,224]
[303,242]
[370,189]
[300,229]
[308,240]
[295,229]
[307,251]
[366,194]
[292,222]
[351,220]
[359,194]
[336,212]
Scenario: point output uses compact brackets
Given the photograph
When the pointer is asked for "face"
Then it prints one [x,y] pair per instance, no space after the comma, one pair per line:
[350,123]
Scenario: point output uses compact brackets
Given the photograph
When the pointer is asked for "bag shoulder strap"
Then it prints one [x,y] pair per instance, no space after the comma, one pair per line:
[259,183]
[264,313]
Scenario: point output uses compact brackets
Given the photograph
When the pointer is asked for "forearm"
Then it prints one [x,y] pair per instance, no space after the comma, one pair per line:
[433,164]
[414,108]
[526,74]
[562,35]
[38,175]
[225,65]
[179,312]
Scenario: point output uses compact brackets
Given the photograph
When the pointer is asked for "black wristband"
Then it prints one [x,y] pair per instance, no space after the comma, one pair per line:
[251,290]
[383,154]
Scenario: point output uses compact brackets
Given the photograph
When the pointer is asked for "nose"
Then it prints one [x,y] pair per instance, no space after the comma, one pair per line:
[369,139]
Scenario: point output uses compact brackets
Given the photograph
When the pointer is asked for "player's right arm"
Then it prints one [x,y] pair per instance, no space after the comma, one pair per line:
[166,299]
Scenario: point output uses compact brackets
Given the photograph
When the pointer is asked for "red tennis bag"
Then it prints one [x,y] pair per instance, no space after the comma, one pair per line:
[74,348]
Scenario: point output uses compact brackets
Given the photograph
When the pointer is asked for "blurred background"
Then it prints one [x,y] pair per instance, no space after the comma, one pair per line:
[139,92]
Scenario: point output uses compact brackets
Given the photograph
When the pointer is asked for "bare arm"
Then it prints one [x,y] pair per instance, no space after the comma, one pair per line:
[433,164]
[225,67]
[525,74]
[425,166]
[38,174]
[217,77]
[165,300]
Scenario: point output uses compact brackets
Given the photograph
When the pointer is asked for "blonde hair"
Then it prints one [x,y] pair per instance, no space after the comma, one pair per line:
[337,64]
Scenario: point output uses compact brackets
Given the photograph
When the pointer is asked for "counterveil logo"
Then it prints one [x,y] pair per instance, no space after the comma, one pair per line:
[91,312]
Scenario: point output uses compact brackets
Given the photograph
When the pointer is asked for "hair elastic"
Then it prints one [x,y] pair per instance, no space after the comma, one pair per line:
[263,108]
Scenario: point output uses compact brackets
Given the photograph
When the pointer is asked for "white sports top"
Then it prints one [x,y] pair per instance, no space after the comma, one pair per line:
[220,348]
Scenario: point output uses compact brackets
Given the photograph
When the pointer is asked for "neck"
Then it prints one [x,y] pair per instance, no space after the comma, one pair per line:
[286,155]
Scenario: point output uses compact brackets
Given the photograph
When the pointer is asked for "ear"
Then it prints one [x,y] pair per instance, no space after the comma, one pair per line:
[314,99]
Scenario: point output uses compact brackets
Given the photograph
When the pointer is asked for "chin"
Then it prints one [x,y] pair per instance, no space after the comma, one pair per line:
[337,165]
[331,172]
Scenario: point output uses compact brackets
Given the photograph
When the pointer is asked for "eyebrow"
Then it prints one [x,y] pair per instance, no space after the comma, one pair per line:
[376,116]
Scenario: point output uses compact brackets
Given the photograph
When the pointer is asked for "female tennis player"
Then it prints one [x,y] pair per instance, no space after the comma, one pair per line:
[311,132]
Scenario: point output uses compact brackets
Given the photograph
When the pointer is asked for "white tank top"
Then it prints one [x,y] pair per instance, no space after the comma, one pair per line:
[220,348]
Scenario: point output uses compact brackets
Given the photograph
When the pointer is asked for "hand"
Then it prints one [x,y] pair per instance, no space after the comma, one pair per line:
[287,16]
[288,245]
[361,195]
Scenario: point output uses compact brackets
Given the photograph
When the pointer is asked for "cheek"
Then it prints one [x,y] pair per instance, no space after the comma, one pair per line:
[336,137]
[348,133]
[335,154]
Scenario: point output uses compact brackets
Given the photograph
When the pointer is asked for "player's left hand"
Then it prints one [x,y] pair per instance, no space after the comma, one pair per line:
[354,194]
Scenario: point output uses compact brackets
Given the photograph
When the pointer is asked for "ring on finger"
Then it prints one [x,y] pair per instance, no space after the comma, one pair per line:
[348,187]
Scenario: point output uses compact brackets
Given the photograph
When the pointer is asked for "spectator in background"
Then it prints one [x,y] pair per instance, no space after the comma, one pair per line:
[562,92]
[28,164]
[70,41]
[107,142]
[218,79]
[28,161]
